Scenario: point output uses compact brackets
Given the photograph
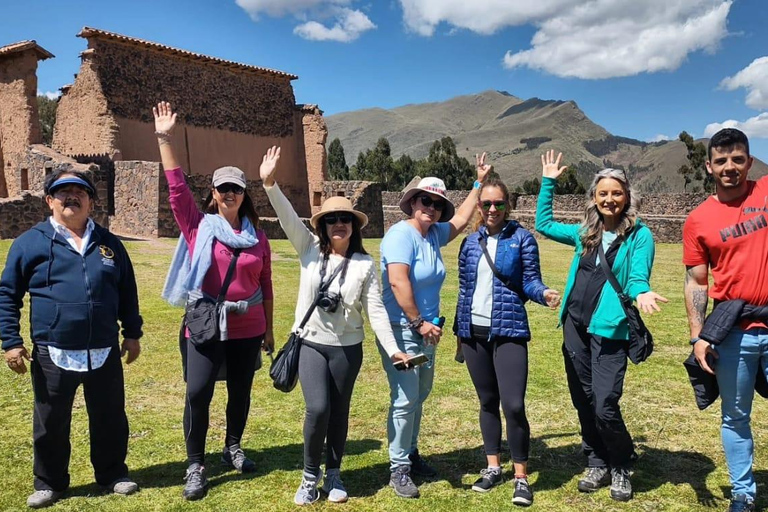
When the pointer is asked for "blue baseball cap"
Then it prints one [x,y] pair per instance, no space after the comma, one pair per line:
[71,180]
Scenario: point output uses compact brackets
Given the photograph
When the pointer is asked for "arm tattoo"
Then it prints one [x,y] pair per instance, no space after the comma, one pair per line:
[696,299]
[699,300]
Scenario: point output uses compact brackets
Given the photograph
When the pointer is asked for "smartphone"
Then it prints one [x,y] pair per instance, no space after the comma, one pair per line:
[414,361]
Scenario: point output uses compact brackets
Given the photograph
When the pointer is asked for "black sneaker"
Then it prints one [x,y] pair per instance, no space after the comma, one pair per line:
[196,484]
[488,479]
[235,458]
[400,481]
[523,495]
[419,467]
[594,478]
[741,503]
[621,488]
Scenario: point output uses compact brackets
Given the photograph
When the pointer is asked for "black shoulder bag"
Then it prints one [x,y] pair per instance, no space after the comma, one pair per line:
[284,370]
[640,338]
[507,282]
[202,315]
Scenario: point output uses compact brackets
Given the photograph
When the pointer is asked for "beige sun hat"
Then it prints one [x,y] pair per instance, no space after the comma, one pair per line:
[434,186]
[338,204]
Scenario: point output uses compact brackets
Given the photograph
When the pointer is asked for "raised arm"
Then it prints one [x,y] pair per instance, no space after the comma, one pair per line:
[299,235]
[545,219]
[464,213]
[696,289]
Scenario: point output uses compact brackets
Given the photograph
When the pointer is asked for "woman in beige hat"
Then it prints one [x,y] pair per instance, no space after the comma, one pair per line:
[332,350]
[413,273]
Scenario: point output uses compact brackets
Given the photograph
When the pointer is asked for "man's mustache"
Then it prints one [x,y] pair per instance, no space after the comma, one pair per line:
[72,202]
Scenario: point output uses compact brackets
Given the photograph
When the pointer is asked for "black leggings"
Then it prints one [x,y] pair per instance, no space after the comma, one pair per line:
[499,371]
[327,375]
[241,356]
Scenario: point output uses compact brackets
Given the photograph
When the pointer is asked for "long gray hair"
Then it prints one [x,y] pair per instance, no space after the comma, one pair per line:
[592,226]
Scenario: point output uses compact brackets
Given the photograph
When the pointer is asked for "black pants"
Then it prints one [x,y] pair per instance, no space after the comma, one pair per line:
[595,368]
[54,391]
[327,375]
[242,357]
[499,371]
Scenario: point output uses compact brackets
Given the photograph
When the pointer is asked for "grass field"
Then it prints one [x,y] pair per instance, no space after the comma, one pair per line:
[681,466]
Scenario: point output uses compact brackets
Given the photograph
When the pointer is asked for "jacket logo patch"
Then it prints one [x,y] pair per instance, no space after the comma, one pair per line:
[106,252]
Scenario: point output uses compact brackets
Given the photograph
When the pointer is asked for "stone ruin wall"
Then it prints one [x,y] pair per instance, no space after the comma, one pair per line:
[315,136]
[19,119]
[365,196]
[663,213]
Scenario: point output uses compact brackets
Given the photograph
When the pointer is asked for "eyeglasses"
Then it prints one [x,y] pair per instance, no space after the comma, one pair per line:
[225,188]
[499,205]
[333,218]
[427,201]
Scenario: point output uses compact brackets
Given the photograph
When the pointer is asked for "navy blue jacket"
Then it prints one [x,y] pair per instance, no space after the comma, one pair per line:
[75,301]
[517,258]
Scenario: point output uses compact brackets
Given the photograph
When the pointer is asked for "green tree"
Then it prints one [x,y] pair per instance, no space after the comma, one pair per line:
[696,168]
[444,163]
[375,165]
[46,108]
[529,187]
[568,183]
[337,163]
[404,170]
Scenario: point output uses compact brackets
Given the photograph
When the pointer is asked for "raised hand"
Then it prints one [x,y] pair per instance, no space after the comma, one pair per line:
[482,168]
[551,166]
[165,118]
[269,166]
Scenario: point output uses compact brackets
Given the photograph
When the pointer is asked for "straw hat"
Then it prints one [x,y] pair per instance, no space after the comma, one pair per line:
[338,204]
[434,186]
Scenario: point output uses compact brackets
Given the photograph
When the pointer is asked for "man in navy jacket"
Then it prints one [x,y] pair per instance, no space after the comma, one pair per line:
[81,284]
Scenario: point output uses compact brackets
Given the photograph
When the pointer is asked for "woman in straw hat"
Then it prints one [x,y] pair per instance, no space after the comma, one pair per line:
[208,243]
[332,351]
[413,273]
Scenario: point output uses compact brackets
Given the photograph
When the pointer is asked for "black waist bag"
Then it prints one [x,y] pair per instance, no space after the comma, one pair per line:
[202,316]
[640,338]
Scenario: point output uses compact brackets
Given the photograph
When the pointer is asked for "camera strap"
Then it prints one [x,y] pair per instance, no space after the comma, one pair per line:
[323,288]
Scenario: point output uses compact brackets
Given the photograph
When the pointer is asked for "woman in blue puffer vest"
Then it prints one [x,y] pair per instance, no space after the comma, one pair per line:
[493,331]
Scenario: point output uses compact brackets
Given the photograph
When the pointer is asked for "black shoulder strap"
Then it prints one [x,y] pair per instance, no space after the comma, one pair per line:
[623,297]
[323,287]
[228,277]
[507,282]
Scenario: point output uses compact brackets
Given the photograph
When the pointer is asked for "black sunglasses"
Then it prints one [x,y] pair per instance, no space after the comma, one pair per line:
[332,218]
[427,201]
[225,188]
[500,205]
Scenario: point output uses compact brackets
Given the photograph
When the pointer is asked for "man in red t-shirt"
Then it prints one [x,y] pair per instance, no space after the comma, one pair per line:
[728,235]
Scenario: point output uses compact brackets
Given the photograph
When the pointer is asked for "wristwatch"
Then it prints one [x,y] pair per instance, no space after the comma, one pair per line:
[694,340]
[476,184]
[416,323]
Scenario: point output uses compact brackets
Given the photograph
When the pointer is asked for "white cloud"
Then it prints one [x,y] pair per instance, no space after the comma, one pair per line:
[278,8]
[754,127]
[754,78]
[350,24]
[48,94]
[586,39]
[660,137]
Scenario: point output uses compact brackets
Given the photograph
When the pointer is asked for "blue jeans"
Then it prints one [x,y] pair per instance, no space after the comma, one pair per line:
[407,392]
[742,355]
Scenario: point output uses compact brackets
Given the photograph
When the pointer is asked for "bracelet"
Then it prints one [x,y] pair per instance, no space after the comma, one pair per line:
[163,135]
[694,340]
[477,184]
[416,322]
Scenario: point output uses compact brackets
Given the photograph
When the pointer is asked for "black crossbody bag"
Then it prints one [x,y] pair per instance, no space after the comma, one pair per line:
[640,338]
[202,316]
[507,282]
[284,370]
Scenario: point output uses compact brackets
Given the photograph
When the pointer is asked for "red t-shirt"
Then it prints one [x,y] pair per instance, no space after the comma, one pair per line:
[732,238]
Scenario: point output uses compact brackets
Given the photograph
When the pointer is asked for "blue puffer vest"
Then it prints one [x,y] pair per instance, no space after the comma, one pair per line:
[517,257]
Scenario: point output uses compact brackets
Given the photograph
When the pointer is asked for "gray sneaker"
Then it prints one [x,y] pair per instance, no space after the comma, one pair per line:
[741,503]
[523,495]
[621,488]
[234,457]
[196,484]
[594,478]
[334,487]
[124,486]
[400,481]
[307,492]
[44,498]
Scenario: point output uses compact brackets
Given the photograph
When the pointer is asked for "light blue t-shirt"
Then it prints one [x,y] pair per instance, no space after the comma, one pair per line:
[403,243]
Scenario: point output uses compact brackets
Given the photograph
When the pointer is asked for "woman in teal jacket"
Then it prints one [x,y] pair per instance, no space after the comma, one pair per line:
[595,331]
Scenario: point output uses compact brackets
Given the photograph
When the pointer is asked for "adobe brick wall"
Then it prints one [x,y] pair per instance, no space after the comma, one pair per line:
[315,134]
[19,119]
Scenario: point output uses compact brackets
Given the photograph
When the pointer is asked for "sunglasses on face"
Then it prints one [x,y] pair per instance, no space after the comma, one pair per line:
[225,188]
[499,205]
[427,201]
[331,219]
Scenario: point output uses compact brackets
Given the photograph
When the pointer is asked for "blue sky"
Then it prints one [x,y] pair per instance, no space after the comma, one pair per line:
[640,69]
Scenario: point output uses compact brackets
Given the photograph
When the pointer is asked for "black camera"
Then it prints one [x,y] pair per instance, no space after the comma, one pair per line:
[329,302]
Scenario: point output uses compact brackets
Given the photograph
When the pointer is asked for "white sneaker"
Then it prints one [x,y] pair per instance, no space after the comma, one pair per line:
[307,492]
[334,487]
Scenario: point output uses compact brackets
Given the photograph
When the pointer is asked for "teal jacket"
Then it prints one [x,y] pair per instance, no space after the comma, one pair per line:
[632,266]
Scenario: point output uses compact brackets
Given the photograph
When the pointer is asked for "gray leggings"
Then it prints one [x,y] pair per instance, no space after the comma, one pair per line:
[327,375]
